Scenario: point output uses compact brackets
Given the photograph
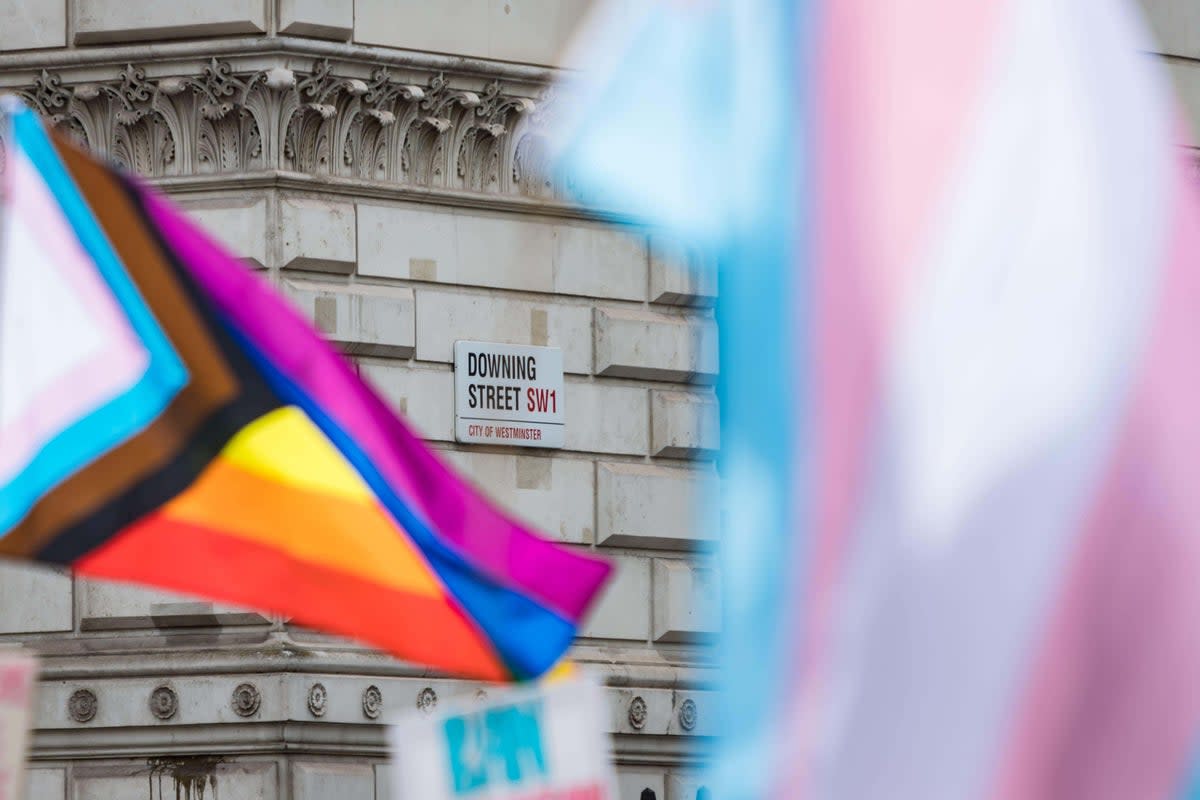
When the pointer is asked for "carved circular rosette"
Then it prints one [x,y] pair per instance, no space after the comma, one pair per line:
[372,702]
[164,703]
[246,699]
[317,698]
[688,714]
[637,713]
[82,705]
[427,700]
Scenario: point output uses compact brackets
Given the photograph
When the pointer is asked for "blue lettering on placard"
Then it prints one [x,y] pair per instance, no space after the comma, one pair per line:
[498,745]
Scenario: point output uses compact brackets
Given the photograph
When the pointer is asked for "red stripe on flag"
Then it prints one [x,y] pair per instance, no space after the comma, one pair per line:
[231,569]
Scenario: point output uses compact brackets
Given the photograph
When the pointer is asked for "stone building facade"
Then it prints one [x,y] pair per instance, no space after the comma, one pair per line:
[1175,25]
[383,163]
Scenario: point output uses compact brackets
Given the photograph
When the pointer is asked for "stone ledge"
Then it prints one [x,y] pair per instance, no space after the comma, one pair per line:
[183,186]
[75,62]
[619,666]
[278,738]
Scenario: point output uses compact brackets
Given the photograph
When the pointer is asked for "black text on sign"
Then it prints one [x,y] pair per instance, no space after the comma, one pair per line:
[508,394]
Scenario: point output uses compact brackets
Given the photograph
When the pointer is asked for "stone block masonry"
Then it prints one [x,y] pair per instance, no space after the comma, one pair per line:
[25,25]
[124,21]
[445,317]
[651,506]
[318,235]
[655,346]
[378,320]
[504,251]
[686,604]
[556,495]
[238,222]
[684,424]
[324,19]
[399,197]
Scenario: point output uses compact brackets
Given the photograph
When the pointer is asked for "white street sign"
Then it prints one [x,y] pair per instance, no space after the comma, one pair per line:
[508,394]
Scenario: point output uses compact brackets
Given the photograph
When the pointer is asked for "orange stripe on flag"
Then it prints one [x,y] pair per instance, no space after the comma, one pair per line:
[355,537]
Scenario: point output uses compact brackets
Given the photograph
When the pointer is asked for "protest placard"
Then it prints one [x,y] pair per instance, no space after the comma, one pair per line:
[547,742]
[18,671]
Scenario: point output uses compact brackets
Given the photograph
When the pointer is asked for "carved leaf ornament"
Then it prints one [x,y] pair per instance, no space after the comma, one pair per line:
[315,122]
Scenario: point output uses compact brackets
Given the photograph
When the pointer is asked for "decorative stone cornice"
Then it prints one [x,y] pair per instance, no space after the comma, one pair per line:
[137,657]
[228,715]
[467,135]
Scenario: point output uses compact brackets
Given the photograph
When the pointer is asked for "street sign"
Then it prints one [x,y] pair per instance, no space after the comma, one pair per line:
[547,742]
[508,394]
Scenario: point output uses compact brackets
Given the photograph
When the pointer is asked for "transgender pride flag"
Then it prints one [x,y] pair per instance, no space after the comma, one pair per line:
[961,359]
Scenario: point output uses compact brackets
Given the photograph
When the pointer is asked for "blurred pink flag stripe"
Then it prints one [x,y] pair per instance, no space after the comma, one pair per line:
[1005,572]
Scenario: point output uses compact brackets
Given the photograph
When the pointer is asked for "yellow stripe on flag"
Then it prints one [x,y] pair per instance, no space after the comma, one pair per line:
[285,446]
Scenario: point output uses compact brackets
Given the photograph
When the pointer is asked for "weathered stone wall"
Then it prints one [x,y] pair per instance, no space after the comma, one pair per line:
[1175,26]
[529,31]
[382,163]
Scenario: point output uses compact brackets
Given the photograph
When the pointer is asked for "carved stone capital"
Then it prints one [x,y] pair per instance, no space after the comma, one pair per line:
[429,134]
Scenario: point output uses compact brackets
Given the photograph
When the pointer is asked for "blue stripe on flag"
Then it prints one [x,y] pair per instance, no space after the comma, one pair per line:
[699,128]
[123,416]
[1190,788]
[764,315]
[527,637]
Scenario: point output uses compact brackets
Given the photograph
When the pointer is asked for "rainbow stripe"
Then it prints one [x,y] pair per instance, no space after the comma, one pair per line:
[176,410]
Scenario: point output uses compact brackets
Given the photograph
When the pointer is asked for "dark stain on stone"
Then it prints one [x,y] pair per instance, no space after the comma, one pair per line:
[191,777]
